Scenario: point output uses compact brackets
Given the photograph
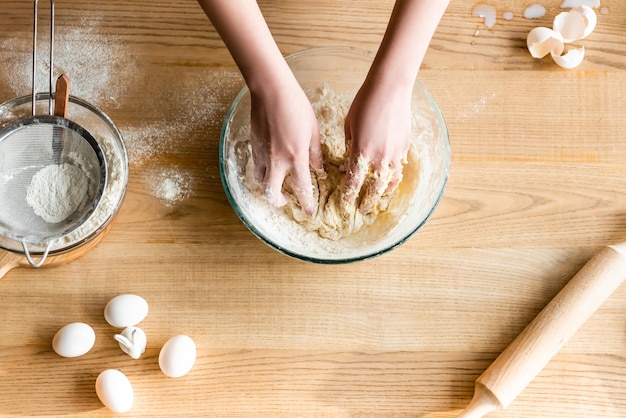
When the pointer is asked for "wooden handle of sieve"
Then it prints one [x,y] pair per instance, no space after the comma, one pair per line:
[8,261]
[62,95]
[529,353]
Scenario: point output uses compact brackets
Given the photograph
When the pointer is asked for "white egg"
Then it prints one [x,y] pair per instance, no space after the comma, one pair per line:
[126,310]
[177,356]
[115,391]
[74,340]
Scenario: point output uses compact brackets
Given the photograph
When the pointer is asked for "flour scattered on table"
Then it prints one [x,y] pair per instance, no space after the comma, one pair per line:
[150,140]
[198,104]
[92,60]
[475,107]
[171,186]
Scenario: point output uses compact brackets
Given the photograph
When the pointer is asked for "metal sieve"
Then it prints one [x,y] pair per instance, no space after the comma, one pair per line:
[30,145]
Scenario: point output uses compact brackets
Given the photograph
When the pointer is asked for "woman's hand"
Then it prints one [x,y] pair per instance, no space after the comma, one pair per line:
[284,131]
[378,126]
[285,142]
[378,132]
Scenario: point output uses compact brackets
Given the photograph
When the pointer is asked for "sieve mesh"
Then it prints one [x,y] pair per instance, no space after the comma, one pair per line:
[30,145]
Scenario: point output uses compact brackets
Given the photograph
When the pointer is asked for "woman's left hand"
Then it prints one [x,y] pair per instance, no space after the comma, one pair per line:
[378,132]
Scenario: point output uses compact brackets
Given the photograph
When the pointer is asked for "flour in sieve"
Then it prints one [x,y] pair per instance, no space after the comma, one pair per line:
[111,196]
[56,191]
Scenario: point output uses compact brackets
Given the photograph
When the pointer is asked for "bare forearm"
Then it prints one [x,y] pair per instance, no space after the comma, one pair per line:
[408,35]
[245,33]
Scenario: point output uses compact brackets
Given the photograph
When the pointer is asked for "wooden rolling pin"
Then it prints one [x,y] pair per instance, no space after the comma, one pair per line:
[529,353]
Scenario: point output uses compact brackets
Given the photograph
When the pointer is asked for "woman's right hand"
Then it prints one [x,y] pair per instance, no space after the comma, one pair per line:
[284,131]
[285,143]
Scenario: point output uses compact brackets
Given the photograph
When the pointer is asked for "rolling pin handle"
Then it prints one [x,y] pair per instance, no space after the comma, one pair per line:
[528,354]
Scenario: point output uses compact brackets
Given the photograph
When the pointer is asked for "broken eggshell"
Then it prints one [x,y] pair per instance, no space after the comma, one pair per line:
[543,41]
[570,59]
[132,341]
[576,24]
[591,19]
[567,27]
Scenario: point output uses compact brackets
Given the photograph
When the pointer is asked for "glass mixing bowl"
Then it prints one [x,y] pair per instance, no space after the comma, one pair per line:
[424,177]
[102,128]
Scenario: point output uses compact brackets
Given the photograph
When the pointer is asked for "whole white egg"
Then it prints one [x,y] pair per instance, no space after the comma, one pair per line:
[115,391]
[126,310]
[177,356]
[74,340]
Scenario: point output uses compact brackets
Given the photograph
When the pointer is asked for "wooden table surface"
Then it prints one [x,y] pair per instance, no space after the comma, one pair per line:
[535,189]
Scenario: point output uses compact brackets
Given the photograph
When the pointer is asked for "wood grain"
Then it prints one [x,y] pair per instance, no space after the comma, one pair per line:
[535,189]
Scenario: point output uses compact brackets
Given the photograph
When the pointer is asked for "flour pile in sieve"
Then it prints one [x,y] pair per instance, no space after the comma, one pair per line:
[56,191]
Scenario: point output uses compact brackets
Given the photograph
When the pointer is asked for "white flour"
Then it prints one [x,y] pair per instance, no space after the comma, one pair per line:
[91,59]
[171,186]
[196,107]
[56,191]
[111,196]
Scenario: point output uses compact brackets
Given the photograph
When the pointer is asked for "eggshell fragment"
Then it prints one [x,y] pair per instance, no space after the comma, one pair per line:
[570,25]
[74,340]
[542,41]
[576,24]
[126,310]
[567,27]
[573,58]
[177,356]
[115,391]
[591,19]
